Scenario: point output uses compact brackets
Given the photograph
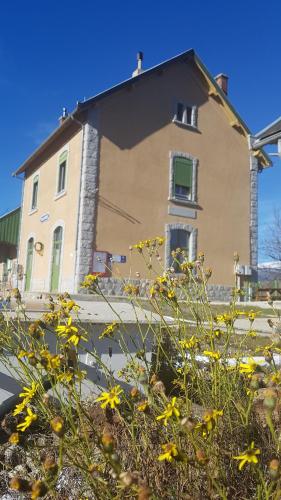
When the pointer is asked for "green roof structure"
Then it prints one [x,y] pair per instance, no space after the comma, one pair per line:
[9,227]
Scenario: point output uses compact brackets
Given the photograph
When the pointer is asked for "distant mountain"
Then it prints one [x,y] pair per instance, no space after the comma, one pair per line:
[269,271]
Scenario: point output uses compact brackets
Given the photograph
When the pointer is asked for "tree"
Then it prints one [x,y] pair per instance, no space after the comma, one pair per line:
[272,243]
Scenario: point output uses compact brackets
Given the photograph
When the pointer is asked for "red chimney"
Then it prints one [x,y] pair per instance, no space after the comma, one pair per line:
[222,81]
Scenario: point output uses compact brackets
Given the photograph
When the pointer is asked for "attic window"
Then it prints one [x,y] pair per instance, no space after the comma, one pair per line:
[186,115]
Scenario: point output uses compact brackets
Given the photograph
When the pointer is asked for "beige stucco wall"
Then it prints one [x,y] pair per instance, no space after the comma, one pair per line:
[62,211]
[137,135]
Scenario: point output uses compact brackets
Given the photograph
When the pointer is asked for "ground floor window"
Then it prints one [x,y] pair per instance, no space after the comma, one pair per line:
[180,236]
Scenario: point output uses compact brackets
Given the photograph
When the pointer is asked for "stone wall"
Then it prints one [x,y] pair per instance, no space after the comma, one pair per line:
[115,287]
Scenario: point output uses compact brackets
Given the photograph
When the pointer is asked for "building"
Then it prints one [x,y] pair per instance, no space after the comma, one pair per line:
[162,153]
[9,233]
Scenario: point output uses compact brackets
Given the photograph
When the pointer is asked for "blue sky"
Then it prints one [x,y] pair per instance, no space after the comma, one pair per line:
[54,53]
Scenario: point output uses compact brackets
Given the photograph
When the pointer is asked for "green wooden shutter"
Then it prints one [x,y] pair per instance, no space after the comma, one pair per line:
[63,157]
[183,172]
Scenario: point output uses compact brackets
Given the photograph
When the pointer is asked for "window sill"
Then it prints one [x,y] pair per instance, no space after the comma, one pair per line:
[187,203]
[185,125]
[60,195]
[33,211]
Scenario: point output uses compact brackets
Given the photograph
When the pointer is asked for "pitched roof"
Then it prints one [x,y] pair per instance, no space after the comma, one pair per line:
[188,55]
[268,135]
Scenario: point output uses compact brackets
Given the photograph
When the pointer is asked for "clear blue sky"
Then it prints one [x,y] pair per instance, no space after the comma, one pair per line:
[54,53]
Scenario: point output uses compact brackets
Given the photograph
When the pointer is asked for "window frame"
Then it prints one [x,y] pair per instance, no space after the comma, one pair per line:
[35,180]
[62,192]
[194,115]
[192,201]
[192,243]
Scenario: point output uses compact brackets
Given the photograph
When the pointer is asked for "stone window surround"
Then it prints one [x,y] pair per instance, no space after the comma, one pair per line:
[172,197]
[59,194]
[35,176]
[193,232]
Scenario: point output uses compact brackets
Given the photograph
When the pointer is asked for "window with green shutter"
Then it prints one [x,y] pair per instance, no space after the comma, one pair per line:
[182,178]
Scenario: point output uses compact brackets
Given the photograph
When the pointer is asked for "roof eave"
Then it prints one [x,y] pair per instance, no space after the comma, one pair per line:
[63,126]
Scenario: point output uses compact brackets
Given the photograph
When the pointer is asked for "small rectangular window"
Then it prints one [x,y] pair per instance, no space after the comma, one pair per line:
[35,193]
[187,115]
[62,172]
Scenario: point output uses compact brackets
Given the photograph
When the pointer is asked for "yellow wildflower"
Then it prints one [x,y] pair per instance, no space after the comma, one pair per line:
[252,315]
[212,354]
[109,330]
[189,344]
[110,398]
[90,281]
[75,338]
[171,410]
[20,407]
[29,419]
[249,367]
[143,406]
[170,452]
[210,419]
[67,329]
[29,392]
[248,456]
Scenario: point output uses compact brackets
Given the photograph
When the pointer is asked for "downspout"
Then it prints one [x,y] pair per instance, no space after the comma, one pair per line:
[20,225]
[78,209]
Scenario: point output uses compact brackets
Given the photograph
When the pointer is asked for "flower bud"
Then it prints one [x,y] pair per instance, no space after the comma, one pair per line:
[201,457]
[134,392]
[58,426]
[19,484]
[270,399]
[144,493]
[50,466]
[188,424]
[255,383]
[274,468]
[107,441]
[39,489]
[126,478]
[14,438]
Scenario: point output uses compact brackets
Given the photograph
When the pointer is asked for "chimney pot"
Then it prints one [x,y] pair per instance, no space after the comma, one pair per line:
[222,81]
[63,116]
[139,66]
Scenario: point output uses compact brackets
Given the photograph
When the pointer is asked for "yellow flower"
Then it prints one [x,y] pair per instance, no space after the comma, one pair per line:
[49,361]
[252,315]
[170,411]
[110,398]
[170,452]
[90,281]
[68,329]
[248,456]
[212,354]
[29,419]
[14,438]
[210,419]
[29,392]
[248,368]
[65,377]
[189,344]
[20,407]
[109,330]
[143,406]
[75,338]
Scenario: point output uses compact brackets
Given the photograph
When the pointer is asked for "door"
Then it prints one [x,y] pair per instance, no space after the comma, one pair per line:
[56,259]
[29,262]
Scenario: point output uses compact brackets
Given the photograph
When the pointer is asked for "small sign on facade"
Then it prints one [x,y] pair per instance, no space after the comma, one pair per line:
[44,217]
[121,259]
